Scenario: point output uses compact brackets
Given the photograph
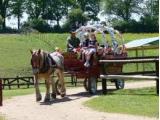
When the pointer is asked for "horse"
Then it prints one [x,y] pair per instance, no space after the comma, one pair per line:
[44,65]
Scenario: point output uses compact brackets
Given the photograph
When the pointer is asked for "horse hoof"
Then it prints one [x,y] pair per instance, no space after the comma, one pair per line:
[53,95]
[38,99]
[62,95]
[46,100]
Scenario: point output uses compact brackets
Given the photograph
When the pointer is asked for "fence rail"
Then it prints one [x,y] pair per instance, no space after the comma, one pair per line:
[17,81]
[133,75]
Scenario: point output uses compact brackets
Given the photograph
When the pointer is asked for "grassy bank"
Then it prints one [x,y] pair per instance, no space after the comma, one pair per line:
[142,102]
[15,54]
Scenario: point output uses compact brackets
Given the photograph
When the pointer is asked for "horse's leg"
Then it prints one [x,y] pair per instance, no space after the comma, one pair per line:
[47,96]
[53,88]
[61,78]
[38,95]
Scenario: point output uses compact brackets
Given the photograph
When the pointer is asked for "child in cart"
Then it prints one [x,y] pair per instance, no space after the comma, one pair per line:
[84,46]
[91,49]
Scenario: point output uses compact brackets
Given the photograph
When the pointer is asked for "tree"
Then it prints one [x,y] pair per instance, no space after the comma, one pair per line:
[90,7]
[76,18]
[55,10]
[1,20]
[122,8]
[17,9]
[151,8]
[150,18]
[35,8]
[4,4]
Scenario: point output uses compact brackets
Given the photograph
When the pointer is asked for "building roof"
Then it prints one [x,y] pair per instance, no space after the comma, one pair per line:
[143,42]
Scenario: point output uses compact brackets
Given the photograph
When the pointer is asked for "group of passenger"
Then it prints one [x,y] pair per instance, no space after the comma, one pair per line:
[88,46]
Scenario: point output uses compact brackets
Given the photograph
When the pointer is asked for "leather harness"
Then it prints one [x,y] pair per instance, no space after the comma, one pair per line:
[48,63]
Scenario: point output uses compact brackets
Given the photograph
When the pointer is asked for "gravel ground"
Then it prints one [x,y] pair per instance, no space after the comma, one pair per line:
[67,108]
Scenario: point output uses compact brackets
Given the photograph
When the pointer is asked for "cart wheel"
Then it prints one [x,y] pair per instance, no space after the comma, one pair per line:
[92,85]
[58,87]
[85,84]
[119,84]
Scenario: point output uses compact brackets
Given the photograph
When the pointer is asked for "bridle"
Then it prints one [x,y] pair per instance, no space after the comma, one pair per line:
[36,62]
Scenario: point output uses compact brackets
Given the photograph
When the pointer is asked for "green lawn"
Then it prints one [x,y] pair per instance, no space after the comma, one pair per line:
[142,102]
[15,54]
[2,118]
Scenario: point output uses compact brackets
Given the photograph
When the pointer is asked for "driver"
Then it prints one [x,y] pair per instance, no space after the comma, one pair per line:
[72,42]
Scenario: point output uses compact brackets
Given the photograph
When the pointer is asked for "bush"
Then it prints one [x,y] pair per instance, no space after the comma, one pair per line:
[38,25]
[9,30]
[57,29]
[145,25]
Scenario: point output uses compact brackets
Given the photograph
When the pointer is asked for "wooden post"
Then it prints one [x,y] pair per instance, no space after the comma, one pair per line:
[137,66]
[72,79]
[104,86]
[28,83]
[143,56]
[1,93]
[18,82]
[104,81]
[157,74]
[9,86]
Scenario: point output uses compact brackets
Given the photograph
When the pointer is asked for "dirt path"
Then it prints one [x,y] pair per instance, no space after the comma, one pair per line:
[68,108]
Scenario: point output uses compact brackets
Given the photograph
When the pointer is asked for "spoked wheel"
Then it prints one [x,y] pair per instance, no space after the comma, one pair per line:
[58,87]
[90,84]
[119,84]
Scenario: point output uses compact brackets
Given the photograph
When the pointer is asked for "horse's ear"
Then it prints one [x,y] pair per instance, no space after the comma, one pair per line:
[39,51]
[31,51]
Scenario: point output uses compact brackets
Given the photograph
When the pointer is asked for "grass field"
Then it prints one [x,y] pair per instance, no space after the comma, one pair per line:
[135,101]
[15,61]
[2,118]
[15,54]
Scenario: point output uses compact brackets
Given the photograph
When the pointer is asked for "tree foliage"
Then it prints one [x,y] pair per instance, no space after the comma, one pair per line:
[122,8]
[34,8]
[90,7]
[78,12]
[55,10]
[17,8]
[4,4]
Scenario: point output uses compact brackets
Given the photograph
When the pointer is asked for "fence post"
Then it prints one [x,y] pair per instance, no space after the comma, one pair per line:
[104,86]
[18,82]
[157,74]
[1,92]
[104,81]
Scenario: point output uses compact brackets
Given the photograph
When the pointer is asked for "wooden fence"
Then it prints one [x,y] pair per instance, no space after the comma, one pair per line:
[25,81]
[17,81]
[133,75]
[29,81]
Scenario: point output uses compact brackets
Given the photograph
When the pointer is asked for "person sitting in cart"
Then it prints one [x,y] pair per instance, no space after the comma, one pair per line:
[84,45]
[72,42]
[91,50]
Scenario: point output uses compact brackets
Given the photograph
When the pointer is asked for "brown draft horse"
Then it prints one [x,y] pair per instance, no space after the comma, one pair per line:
[44,65]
